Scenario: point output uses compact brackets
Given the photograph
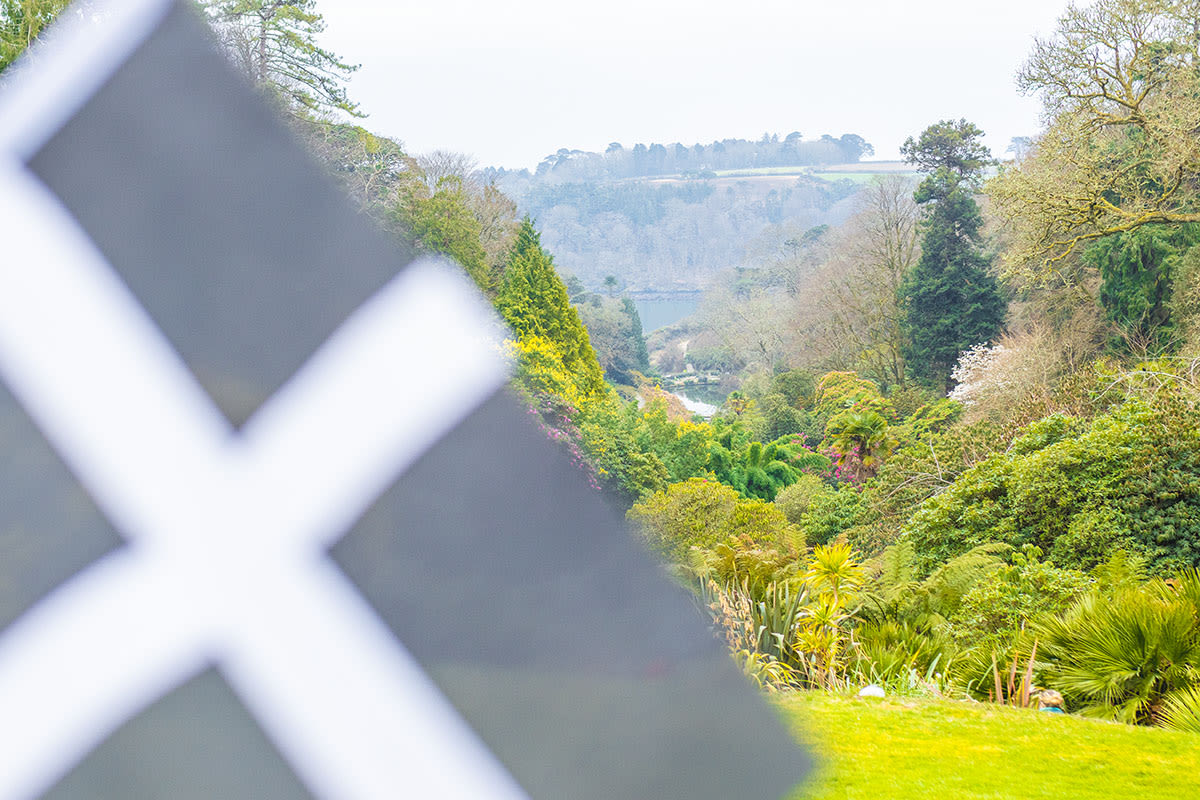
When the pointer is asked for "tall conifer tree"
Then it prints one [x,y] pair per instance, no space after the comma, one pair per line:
[534,302]
[275,42]
[951,300]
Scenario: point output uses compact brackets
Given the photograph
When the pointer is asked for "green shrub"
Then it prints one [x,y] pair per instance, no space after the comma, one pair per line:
[829,513]
[926,420]
[779,418]
[704,513]
[1003,600]
[794,500]
[682,447]
[1129,480]
[624,467]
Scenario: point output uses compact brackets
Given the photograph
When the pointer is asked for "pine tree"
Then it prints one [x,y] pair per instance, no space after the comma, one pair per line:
[638,338]
[951,300]
[534,302]
[275,42]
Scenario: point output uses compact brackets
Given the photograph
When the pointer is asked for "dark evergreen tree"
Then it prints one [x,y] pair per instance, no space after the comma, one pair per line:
[638,337]
[1138,270]
[951,301]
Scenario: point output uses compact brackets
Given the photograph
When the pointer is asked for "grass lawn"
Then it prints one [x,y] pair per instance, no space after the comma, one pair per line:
[754,171]
[905,748]
[860,172]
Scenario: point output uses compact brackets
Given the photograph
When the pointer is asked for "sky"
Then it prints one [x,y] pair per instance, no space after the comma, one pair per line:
[512,82]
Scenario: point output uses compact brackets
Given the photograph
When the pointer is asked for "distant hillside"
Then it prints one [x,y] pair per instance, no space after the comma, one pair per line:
[644,161]
[670,217]
[673,232]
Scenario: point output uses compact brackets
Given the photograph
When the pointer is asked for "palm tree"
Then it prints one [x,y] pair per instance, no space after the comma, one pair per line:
[1131,656]
[765,470]
[833,566]
[860,439]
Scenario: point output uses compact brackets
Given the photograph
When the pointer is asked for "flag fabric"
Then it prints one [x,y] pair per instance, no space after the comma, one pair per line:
[272,526]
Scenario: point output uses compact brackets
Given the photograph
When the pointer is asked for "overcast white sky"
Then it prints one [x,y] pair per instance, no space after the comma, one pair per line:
[511,81]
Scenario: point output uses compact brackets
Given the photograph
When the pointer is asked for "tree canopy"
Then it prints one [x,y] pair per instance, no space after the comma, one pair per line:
[954,147]
[1120,90]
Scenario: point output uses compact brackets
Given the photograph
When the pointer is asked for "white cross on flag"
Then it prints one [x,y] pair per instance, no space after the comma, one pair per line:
[271,527]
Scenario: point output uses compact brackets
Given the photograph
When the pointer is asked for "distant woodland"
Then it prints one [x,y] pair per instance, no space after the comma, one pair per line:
[647,161]
[670,217]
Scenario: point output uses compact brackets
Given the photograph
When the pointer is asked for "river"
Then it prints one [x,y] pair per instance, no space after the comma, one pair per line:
[659,311]
[696,406]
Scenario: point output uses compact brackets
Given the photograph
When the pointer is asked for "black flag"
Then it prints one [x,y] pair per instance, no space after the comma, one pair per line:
[272,527]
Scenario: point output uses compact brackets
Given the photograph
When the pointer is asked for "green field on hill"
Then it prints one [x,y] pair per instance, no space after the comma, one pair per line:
[901,748]
[857,177]
[750,172]
[864,176]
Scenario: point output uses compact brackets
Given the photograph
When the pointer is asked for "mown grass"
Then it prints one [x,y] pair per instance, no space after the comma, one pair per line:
[750,172]
[861,172]
[894,749]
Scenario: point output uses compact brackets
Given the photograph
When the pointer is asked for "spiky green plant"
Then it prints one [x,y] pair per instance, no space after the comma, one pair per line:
[1018,693]
[767,672]
[775,615]
[1120,657]
[888,651]
[762,621]
[1181,710]
[834,568]
[824,637]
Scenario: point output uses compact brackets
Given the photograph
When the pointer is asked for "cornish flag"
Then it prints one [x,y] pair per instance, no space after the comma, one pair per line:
[271,526]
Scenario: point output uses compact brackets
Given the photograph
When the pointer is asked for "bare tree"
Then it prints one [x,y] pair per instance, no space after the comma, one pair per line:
[442,165]
[850,312]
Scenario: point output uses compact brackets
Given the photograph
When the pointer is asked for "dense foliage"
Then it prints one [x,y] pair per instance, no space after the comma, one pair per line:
[703,513]
[550,337]
[615,330]
[1138,270]
[1030,539]
[1128,479]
